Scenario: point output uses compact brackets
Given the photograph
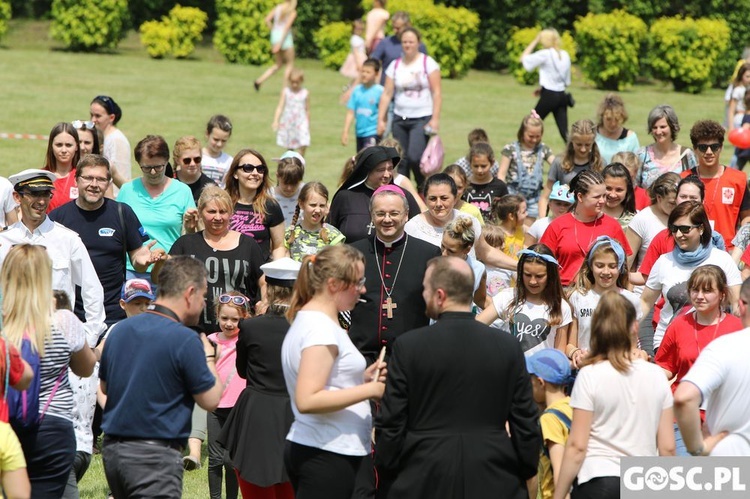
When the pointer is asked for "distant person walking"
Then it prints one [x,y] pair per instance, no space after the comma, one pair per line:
[280,21]
[554,77]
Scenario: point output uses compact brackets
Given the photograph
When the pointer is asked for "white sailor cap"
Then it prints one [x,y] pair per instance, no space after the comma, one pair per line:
[33,180]
[282,272]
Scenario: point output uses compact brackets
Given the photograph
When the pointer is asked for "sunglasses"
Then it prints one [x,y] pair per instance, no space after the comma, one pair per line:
[238,300]
[250,168]
[685,229]
[197,160]
[705,147]
[153,168]
[82,125]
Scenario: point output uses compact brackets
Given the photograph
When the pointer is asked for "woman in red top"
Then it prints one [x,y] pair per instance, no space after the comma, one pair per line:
[689,333]
[63,153]
[569,236]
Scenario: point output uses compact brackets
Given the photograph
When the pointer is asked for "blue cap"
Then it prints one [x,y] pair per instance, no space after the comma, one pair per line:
[551,365]
[136,288]
[561,192]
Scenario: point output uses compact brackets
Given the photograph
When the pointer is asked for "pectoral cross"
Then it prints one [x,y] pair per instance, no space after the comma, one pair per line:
[369,228]
[389,305]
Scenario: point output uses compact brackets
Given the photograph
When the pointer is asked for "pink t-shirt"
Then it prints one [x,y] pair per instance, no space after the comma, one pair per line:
[226,367]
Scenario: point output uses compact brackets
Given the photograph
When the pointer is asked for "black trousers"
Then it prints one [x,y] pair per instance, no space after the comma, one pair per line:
[555,103]
[319,474]
[604,487]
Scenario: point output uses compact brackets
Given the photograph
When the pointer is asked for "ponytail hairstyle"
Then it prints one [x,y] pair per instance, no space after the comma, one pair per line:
[663,186]
[582,184]
[532,119]
[461,229]
[618,170]
[553,294]
[313,187]
[348,169]
[332,262]
[603,245]
[611,332]
[506,206]
[578,130]
[482,149]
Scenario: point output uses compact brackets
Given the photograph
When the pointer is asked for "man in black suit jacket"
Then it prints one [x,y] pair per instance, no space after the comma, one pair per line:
[452,386]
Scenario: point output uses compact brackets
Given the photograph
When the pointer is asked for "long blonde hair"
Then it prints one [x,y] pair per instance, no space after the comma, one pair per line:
[26,281]
[332,262]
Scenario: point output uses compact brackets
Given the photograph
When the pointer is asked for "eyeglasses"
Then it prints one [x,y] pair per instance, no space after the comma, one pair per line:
[251,168]
[705,147]
[381,214]
[82,125]
[94,180]
[236,299]
[197,160]
[361,282]
[37,195]
[153,168]
[685,229]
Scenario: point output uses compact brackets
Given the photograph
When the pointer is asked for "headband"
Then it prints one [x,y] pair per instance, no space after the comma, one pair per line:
[614,244]
[532,253]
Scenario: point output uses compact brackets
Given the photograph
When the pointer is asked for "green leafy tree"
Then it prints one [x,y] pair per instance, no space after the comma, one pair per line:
[87,25]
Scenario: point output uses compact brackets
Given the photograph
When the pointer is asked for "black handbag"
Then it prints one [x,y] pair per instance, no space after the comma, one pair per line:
[570,100]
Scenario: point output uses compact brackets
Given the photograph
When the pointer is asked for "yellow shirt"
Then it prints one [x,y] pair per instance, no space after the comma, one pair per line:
[473,211]
[555,431]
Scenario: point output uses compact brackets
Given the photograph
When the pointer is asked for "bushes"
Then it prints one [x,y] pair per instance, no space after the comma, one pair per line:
[5,13]
[518,41]
[332,41]
[685,51]
[175,34]
[610,44]
[85,25]
[241,32]
[311,15]
[450,34]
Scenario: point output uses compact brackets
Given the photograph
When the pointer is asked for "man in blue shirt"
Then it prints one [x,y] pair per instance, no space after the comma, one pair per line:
[153,370]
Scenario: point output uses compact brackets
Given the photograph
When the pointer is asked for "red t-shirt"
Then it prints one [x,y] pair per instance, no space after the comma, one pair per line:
[642,199]
[726,196]
[14,376]
[746,256]
[66,190]
[684,340]
[662,243]
[570,240]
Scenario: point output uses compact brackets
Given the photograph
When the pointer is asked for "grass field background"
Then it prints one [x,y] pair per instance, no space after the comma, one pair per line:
[42,85]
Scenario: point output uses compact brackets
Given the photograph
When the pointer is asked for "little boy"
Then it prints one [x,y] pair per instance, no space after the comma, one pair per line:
[550,373]
[215,161]
[363,107]
[289,175]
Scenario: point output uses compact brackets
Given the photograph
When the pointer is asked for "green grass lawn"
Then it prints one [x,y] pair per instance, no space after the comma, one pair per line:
[43,85]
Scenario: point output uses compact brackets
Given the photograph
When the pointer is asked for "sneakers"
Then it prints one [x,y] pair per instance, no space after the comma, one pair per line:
[189,463]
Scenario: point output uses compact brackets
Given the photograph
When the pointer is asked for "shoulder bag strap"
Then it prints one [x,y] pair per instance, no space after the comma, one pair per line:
[124,239]
[54,391]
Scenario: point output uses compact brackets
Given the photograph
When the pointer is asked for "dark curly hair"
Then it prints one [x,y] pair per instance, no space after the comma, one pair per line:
[706,130]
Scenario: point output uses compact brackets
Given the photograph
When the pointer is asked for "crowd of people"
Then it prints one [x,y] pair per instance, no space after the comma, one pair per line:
[482,331]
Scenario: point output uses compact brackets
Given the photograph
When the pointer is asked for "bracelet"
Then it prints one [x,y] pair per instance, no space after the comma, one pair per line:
[213,356]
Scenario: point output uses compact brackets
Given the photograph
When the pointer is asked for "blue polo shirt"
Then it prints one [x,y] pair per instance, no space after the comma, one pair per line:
[364,102]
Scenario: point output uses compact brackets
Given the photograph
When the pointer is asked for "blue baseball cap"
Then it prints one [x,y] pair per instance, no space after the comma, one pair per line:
[551,365]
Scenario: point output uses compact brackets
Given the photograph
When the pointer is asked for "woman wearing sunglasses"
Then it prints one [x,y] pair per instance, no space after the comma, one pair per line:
[691,230]
[106,114]
[164,206]
[187,157]
[256,212]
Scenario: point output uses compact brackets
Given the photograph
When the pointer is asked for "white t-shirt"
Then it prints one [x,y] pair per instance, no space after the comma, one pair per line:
[646,225]
[216,168]
[7,202]
[722,374]
[117,150]
[671,278]
[412,93]
[583,310]
[529,322]
[346,431]
[288,205]
[626,411]
[554,69]
[538,227]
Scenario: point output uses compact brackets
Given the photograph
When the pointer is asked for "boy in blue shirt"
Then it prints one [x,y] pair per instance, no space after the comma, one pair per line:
[363,107]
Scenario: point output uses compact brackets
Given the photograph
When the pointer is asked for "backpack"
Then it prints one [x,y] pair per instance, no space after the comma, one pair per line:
[432,157]
[23,406]
[564,419]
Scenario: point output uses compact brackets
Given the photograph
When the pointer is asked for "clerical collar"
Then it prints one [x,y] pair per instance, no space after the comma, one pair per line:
[388,245]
